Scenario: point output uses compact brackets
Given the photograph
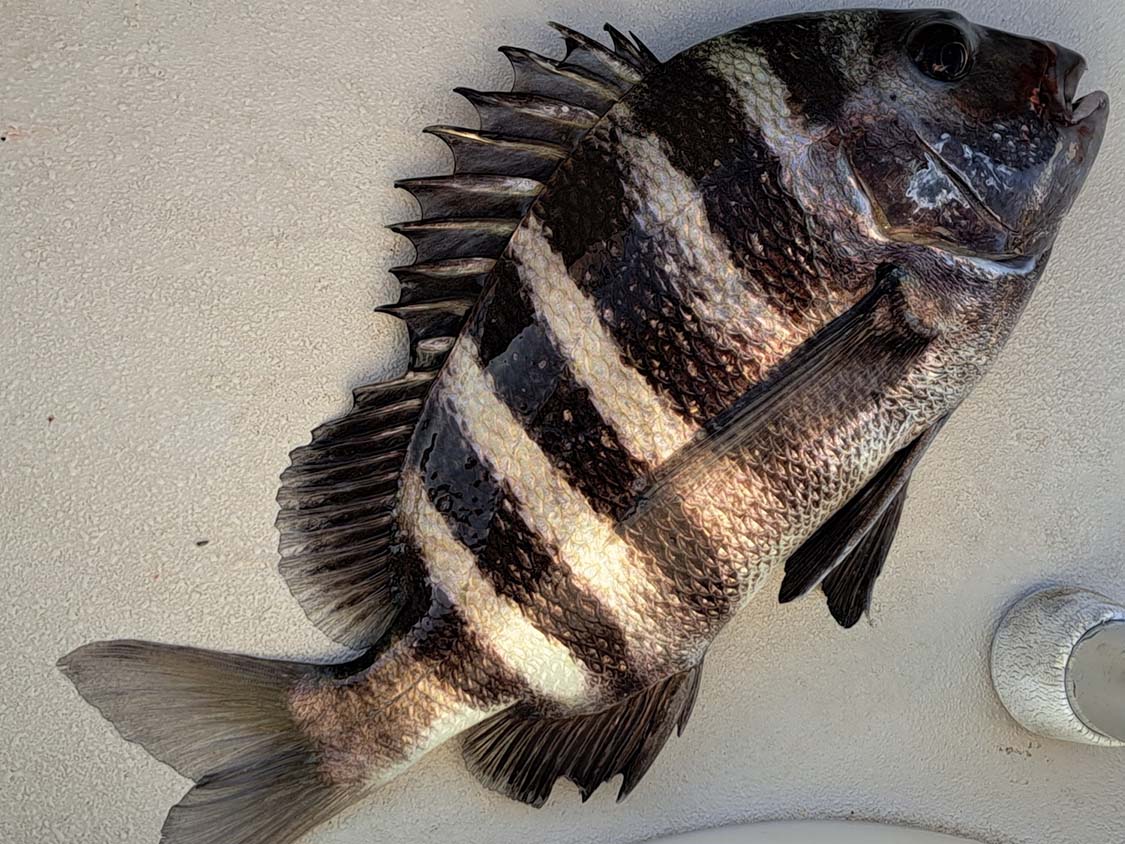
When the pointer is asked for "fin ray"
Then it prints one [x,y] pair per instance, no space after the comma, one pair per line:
[521,753]
[594,57]
[842,540]
[452,278]
[490,153]
[472,195]
[530,115]
[536,74]
[338,496]
[632,47]
[849,586]
[830,351]
[336,513]
[222,720]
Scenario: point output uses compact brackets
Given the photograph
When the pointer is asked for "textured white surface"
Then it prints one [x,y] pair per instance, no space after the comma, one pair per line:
[192,197]
[814,832]
[1032,655]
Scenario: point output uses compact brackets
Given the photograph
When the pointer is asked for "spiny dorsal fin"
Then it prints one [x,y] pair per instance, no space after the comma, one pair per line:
[507,155]
[337,498]
[457,237]
[593,56]
[481,196]
[538,74]
[530,115]
[525,133]
[521,753]
[633,47]
[454,278]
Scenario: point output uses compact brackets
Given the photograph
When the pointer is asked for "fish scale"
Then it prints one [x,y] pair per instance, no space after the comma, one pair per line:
[672,326]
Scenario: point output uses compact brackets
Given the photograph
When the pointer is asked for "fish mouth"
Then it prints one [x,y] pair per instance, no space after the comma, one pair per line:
[1059,87]
[1087,108]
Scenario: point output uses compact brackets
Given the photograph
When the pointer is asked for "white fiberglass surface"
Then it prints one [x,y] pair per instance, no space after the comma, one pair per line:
[814,832]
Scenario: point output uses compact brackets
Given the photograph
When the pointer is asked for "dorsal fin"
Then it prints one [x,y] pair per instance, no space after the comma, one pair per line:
[533,116]
[337,497]
[584,52]
[506,155]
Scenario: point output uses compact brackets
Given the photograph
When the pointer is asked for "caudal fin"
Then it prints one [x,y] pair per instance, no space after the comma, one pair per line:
[224,721]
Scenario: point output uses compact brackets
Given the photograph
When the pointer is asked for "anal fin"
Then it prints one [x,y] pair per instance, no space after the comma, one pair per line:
[521,753]
[848,551]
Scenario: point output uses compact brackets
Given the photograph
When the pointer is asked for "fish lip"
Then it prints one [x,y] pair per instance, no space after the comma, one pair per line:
[1058,89]
[1062,83]
[1088,108]
[1070,81]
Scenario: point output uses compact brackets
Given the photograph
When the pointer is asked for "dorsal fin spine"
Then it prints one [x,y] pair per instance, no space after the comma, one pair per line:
[534,72]
[604,57]
[481,195]
[338,544]
[531,115]
[496,154]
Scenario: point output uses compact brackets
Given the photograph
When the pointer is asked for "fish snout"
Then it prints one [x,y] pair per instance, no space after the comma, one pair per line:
[1058,90]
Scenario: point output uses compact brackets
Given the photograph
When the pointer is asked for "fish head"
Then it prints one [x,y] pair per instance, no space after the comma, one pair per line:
[963,137]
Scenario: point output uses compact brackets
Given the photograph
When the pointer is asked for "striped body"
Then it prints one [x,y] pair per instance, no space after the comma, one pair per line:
[667,269]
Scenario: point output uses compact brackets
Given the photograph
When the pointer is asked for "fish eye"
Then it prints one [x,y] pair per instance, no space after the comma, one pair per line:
[941,50]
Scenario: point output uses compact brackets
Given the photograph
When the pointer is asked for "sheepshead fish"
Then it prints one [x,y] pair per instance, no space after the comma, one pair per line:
[673,325]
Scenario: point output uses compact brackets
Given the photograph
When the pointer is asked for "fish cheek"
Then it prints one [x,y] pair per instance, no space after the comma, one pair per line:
[915,196]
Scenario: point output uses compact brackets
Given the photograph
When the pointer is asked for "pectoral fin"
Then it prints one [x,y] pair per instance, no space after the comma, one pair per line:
[871,344]
[849,586]
[848,551]
[521,753]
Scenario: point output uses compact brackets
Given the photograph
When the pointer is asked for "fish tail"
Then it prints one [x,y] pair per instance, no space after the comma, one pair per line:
[225,721]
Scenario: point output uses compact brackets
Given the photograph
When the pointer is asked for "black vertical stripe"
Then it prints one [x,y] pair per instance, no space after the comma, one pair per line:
[693,569]
[481,513]
[803,52]
[445,642]
[527,372]
[699,119]
[634,277]
[504,312]
[704,130]
[584,211]
[457,483]
[661,336]
[534,382]
[557,412]
[524,568]
[586,450]
[590,223]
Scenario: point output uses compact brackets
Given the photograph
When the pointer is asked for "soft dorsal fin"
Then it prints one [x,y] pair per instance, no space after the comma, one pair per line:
[521,753]
[337,497]
[846,554]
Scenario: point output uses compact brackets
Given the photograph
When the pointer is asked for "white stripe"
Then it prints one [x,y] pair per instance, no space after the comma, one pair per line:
[600,561]
[644,421]
[764,99]
[546,664]
[765,103]
[452,719]
[731,304]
